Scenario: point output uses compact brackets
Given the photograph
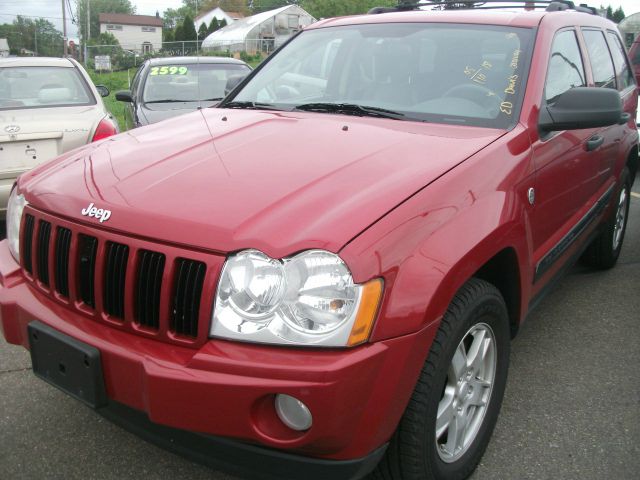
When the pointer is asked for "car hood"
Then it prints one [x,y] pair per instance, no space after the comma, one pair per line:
[156,112]
[225,180]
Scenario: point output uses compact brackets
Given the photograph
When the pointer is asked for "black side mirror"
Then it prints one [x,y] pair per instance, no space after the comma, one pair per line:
[232,82]
[102,90]
[124,96]
[582,107]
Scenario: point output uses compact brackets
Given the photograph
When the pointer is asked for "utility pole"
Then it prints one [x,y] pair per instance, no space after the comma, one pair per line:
[35,38]
[197,29]
[87,34]
[64,31]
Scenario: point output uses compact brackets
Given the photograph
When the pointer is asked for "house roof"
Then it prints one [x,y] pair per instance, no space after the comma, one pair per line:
[124,19]
[217,12]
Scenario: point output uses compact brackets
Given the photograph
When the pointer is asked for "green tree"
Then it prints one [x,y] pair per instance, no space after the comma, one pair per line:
[335,8]
[610,12]
[259,6]
[188,29]
[168,35]
[104,44]
[618,15]
[172,17]
[239,6]
[203,31]
[39,35]
[179,34]
[223,23]
[48,38]
[96,7]
[213,26]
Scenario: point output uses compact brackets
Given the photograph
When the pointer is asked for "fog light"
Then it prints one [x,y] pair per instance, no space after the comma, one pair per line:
[293,413]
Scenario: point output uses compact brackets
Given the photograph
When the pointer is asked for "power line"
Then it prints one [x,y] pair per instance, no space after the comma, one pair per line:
[28,16]
[73,17]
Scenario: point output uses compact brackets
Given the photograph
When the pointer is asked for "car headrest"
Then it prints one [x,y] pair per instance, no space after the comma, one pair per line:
[54,95]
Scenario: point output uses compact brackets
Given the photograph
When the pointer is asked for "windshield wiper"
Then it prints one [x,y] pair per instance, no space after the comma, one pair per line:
[350,109]
[171,100]
[250,105]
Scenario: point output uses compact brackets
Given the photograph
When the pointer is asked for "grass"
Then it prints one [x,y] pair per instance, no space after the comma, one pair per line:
[114,81]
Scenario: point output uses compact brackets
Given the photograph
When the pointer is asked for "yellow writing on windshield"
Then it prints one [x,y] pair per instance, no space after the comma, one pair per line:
[478,75]
[169,70]
[515,59]
[511,89]
[506,108]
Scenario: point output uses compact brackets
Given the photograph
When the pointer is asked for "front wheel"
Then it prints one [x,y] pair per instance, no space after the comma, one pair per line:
[453,410]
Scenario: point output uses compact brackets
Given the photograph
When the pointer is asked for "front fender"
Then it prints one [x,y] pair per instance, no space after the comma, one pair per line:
[430,245]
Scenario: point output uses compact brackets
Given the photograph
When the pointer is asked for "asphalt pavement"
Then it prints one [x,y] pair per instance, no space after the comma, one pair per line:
[571,409]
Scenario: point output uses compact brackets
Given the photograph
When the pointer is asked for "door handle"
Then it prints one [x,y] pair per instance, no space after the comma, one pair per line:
[594,142]
[624,118]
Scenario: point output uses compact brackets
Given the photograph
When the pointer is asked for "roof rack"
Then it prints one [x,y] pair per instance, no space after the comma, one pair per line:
[549,5]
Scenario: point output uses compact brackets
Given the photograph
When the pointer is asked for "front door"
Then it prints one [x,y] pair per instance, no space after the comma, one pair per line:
[566,166]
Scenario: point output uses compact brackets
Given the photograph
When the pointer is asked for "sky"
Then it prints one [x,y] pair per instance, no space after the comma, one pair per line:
[52,9]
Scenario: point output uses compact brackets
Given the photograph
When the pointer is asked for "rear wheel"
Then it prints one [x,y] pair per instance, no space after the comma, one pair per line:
[451,414]
[605,249]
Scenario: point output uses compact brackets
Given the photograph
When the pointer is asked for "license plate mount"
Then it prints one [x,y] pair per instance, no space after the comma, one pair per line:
[68,364]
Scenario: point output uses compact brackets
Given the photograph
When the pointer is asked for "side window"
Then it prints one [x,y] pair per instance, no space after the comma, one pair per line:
[566,69]
[623,71]
[136,80]
[603,72]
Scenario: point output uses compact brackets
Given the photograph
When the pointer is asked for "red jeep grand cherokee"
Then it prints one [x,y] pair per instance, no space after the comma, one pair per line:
[322,276]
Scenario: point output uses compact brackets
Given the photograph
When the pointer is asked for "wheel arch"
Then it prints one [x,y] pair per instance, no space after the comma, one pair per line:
[503,272]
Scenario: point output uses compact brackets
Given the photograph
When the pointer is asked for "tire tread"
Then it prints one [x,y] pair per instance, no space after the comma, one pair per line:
[404,459]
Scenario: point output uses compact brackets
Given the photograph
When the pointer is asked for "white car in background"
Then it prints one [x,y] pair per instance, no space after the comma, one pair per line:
[47,107]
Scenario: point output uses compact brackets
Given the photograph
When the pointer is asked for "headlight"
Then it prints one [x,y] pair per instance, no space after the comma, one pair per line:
[307,299]
[14,216]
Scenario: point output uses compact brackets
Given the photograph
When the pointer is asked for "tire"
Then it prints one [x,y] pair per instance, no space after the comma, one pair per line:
[414,452]
[605,249]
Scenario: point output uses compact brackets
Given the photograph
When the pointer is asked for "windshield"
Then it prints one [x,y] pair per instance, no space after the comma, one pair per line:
[37,87]
[458,74]
[189,83]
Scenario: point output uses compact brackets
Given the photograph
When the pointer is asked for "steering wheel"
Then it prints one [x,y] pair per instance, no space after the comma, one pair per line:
[476,93]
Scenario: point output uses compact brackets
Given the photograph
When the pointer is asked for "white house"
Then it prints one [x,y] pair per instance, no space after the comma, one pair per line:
[139,33]
[218,13]
[4,48]
[260,33]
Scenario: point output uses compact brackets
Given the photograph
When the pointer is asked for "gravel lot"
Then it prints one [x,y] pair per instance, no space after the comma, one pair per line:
[571,410]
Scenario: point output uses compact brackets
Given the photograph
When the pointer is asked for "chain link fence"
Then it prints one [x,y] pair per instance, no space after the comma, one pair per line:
[123,57]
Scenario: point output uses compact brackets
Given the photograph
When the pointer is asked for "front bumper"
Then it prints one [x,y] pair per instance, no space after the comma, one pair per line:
[242,459]
[227,389]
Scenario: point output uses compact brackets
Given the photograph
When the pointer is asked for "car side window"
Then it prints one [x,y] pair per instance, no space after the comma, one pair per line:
[136,80]
[601,63]
[566,69]
[623,70]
